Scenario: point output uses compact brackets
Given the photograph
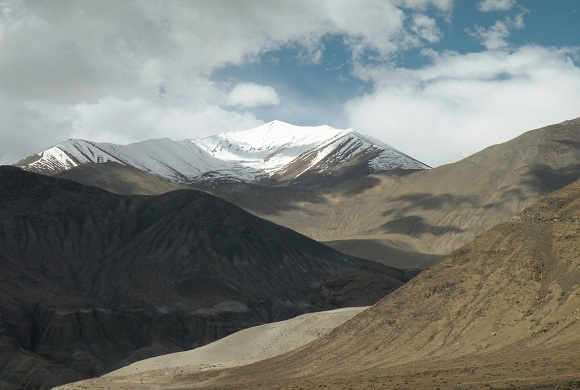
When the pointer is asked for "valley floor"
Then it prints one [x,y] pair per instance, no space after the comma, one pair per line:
[515,369]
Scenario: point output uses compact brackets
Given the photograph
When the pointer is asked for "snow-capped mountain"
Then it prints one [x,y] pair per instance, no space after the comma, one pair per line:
[274,153]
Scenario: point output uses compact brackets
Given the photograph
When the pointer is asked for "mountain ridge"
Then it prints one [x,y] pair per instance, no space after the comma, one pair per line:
[275,153]
[404,218]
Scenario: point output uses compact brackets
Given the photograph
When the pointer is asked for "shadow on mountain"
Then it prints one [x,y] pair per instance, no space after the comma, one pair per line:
[505,196]
[428,201]
[359,186]
[90,280]
[414,225]
[382,252]
[568,142]
[548,179]
[267,200]
[119,179]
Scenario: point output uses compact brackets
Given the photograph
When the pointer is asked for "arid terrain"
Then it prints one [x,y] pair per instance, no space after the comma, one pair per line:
[403,218]
[412,219]
[91,281]
[501,312]
[249,345]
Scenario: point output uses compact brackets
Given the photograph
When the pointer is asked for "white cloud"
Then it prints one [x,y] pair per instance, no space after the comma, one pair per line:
[463,103]
[496,37]
[249,95]
[96,49]
[125,121]
[495,5]
[443,5]
[76,62]
[426,28]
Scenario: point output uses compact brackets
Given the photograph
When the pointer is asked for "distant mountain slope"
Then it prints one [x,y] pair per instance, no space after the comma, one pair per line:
[275,153]
[120,179]
[412,218]
[501,312]
[90,280]
[404,218]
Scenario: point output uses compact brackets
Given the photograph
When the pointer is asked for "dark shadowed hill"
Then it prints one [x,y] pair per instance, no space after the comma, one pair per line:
[91,280]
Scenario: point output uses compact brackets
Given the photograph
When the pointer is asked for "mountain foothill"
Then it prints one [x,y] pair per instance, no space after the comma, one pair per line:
[110,254]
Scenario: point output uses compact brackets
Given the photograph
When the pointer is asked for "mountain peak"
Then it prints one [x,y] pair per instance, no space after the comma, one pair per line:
[275,153]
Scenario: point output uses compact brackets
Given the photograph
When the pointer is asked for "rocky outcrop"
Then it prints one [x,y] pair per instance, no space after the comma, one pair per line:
[92,280]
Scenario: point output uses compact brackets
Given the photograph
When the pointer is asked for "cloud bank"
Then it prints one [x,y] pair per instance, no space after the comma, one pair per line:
[461,102]
[127,71]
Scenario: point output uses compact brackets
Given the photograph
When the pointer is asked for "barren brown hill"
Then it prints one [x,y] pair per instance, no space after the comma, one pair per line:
[91,281]
[506,301]
[501,312]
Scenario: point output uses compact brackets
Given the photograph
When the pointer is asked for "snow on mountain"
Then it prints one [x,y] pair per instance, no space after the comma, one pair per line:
[274,152]
[271,146]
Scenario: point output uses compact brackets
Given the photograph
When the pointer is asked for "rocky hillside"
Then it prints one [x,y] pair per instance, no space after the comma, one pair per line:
[91,281]
[507,300]
[120,179]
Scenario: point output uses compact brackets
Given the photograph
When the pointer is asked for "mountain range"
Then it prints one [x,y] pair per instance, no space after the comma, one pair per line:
[403,218]
[93,281]
[500,312]
[90,281]
[275,154]
[413,218]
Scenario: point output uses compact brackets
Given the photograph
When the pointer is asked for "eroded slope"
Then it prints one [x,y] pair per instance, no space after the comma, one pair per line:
[91,281]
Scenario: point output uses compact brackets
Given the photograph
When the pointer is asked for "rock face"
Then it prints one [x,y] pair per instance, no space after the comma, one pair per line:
[91,281]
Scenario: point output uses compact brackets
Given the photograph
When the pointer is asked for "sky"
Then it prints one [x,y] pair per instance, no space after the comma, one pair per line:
[437,79]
